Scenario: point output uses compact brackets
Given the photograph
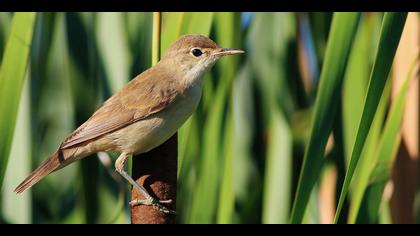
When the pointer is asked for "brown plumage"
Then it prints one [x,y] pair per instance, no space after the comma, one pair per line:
[143,114]
[126,108]
[117,112]
[48,166]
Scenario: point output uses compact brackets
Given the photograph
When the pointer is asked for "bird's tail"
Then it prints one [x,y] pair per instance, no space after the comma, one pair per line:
[48,166]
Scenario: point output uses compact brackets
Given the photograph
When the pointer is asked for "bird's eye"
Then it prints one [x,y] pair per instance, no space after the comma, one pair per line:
[197,52]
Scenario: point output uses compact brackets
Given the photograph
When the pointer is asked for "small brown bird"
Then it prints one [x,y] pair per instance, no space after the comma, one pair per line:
[143,114]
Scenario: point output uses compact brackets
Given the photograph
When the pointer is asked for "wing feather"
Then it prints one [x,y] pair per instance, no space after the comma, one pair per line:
[141,97]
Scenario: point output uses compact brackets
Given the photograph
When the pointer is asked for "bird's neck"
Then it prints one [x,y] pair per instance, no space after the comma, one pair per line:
[187,75]
[192,77]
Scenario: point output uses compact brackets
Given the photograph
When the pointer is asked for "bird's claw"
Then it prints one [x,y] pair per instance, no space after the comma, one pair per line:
[157,204]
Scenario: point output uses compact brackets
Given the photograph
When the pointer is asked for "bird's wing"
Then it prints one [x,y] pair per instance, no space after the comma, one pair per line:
[142,97]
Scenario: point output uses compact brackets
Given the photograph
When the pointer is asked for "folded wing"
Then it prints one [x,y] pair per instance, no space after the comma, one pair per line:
[141,97]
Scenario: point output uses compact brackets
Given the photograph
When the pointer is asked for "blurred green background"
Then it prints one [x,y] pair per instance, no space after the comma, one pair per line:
[317,101]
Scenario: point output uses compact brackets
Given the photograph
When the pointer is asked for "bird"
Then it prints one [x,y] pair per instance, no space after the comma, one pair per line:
[143,114]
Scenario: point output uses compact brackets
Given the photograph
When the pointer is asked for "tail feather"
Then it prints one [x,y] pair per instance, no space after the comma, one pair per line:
[48,166]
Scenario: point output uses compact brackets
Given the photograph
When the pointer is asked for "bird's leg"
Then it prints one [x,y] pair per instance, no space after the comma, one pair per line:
[149,200]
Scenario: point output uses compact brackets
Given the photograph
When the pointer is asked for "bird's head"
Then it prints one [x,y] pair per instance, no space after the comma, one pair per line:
[193,55]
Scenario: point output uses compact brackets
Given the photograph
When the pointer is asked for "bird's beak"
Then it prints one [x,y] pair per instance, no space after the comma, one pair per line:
[228,51]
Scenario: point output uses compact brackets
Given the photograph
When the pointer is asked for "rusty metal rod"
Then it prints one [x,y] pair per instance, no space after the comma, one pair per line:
[156,171]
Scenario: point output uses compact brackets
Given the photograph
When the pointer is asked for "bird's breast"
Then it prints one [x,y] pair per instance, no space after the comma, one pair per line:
[149,133]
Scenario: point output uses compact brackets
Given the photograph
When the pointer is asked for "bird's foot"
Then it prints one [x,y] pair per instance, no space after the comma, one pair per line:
[157,204]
